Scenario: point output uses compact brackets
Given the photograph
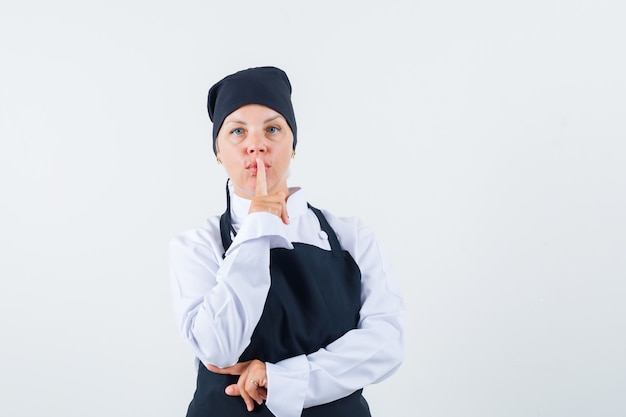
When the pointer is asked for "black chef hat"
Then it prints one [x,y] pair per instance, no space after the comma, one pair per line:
[268,86]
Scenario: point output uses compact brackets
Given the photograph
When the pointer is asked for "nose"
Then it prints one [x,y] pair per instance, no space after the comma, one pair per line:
[256,143]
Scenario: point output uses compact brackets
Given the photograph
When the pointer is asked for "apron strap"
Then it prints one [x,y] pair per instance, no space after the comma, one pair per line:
[332,237]
[226,226]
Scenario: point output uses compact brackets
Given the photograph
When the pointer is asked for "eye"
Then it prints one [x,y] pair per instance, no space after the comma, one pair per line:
[273,129]
[237,131]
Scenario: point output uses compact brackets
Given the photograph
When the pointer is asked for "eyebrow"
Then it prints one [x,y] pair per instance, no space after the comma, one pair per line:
[234,121]
[278,116]
[271,119]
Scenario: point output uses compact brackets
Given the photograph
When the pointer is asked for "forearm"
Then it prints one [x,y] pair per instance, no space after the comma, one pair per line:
[360,358]
[217,303]
[218,324]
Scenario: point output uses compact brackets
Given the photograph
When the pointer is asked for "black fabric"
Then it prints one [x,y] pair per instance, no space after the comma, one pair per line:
[314,298]
[268,86]
[226,227]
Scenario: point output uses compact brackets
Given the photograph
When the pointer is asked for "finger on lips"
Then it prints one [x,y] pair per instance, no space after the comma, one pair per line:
[279,209]
[261,181]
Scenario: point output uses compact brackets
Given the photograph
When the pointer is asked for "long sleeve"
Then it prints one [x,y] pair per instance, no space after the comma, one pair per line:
[363,356]
[217,304]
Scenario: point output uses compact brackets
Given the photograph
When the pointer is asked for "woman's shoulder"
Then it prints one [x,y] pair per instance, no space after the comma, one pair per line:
[205,236]
[350,229]
[351,222]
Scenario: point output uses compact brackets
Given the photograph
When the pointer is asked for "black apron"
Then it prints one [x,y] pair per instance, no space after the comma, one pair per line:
[314,298]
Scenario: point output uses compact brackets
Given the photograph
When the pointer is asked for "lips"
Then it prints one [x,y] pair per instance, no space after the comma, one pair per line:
[252,167]
[253,164]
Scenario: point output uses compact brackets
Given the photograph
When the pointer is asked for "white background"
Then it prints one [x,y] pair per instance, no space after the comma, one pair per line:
[484,142]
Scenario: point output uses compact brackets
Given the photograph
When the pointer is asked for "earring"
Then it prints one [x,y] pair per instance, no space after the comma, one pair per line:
[293,154]
[219,161]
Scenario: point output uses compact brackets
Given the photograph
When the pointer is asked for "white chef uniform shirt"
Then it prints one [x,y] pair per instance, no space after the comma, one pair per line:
[218,302]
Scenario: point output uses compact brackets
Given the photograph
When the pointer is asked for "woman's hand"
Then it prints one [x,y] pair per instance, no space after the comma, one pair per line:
[252,383]
[275,203]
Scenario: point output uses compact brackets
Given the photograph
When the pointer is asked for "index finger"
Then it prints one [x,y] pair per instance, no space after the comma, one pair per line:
[261,182]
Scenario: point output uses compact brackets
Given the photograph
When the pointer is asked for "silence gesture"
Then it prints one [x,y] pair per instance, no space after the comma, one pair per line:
[274,203]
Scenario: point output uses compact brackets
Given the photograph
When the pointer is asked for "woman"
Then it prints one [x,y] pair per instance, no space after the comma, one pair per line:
[290,311]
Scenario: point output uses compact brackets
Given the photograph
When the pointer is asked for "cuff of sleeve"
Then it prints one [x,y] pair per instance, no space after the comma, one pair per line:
[262,224]
[287,383]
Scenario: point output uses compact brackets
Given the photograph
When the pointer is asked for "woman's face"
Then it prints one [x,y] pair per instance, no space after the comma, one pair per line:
[255,131]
